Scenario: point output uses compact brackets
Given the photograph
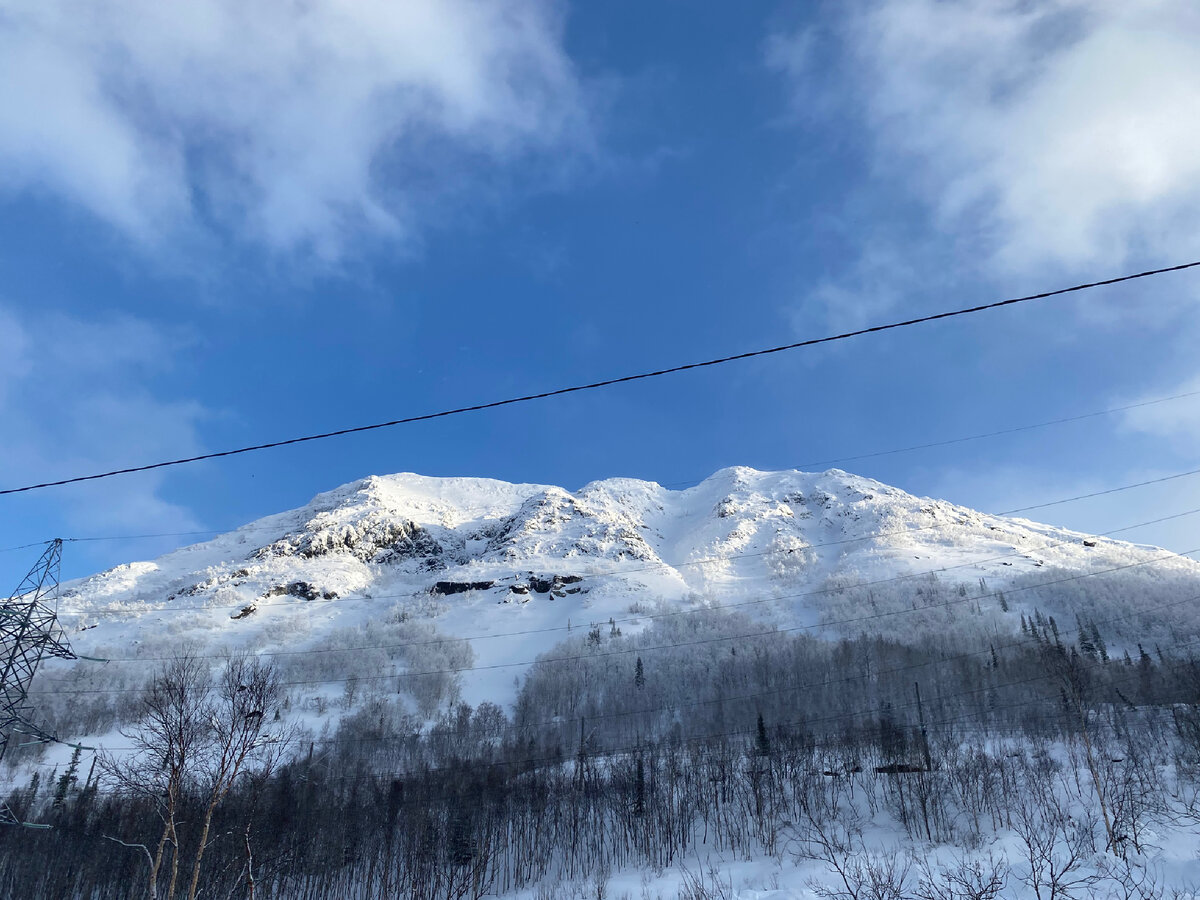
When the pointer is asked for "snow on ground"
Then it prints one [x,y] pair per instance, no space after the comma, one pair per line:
[726,876]
[362,563]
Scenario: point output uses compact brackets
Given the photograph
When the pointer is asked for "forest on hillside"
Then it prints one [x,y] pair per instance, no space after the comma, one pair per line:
[618,755]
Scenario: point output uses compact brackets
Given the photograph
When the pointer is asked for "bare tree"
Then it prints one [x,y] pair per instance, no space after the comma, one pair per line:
[858,874]
[697,886]
[168,739]
[1129,880]
[1055,844]
[978,879]
[240,737]
[1077,689]
[270,757]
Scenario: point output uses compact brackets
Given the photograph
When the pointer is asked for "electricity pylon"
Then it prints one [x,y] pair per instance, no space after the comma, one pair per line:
[29,632]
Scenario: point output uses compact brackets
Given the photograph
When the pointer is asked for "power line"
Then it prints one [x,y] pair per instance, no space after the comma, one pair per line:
[824,683]
[673,646]
[494,404]
[245,529]
[656,616]
[1028,642]
[777,631]
[807,722]
[727,557]
[849,715]
[1103,493]
[982,436]
[28,546]
[858,714]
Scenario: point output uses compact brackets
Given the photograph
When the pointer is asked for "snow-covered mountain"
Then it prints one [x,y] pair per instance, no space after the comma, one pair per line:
[659,618]
[476,577]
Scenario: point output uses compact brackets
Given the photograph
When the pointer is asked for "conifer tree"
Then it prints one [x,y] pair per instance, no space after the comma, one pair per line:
[66,781]
[639,787]
[1098,641]
[1086,647]
[762,741]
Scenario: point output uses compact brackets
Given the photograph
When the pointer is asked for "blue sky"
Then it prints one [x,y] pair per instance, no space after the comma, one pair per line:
[226,223]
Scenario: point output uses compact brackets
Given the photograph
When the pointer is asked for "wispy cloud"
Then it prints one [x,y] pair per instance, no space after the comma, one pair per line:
[1177,421]
[1058,132]
[73,401]
[298,126]
[1011,145]
[865,296]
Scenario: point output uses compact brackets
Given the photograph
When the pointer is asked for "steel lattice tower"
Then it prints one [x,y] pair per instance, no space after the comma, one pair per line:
[29,632]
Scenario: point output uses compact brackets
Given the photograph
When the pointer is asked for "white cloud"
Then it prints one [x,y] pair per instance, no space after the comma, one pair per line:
[1177,420]
[791,52]
[76,406]
[879,280]
[1060,132]
[14,352]
[1015,145]
[297,124]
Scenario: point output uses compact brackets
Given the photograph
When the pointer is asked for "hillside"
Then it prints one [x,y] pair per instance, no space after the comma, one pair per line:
[480,576]
[766,666]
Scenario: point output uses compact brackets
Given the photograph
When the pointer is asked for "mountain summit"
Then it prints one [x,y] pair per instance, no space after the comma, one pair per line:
[471,579]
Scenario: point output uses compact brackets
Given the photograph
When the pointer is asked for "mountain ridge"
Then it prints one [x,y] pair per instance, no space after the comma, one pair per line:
[467,577]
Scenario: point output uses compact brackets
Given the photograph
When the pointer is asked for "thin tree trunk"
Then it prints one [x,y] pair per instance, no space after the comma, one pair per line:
[1087,745]
[201,847]
[249,863]
[174,861]
[156,865]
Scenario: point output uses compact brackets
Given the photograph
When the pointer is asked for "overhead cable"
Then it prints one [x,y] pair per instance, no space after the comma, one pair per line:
[608,382]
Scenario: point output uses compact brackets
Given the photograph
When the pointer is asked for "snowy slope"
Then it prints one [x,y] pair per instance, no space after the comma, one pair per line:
[398,565]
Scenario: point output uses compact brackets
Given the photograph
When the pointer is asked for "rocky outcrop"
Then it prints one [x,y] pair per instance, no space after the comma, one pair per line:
[551,583]
[460,587]
[302,590]
[369,540]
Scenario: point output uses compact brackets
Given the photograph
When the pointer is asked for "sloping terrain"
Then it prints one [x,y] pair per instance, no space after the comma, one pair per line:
[763,665]
[464,581]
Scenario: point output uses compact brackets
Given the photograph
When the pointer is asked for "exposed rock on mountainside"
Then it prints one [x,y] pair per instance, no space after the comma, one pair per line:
[473,560]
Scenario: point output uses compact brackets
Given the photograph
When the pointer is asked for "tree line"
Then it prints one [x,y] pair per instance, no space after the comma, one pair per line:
[615,755]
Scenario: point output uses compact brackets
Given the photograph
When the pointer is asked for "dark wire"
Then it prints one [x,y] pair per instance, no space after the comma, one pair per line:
[811,342]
